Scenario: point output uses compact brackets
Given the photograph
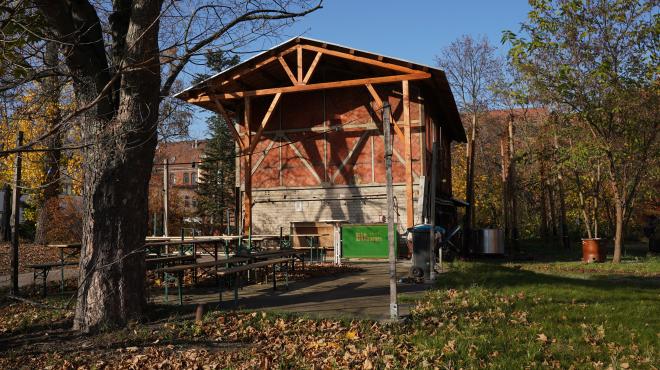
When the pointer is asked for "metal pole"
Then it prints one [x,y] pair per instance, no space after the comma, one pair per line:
[16,214]
[394,308]
[166,188]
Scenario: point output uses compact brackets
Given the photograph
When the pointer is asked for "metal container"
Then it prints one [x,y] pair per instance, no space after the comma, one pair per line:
[490,241]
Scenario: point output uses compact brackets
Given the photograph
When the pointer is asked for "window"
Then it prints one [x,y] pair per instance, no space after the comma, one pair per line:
[186,179]
[193,178]
[173,179]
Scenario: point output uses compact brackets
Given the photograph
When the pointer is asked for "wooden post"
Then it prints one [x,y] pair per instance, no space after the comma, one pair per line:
[5,225]
[166,190]
[410,208]
[394,309]
[247,170]
[16,215]
[433,192]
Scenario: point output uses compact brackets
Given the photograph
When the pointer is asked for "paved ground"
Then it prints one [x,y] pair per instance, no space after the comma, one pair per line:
[363,294]
[26,279]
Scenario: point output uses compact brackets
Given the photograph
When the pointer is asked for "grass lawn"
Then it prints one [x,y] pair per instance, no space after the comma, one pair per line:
[492,314]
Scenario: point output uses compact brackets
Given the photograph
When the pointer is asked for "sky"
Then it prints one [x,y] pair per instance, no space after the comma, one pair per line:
[415,30]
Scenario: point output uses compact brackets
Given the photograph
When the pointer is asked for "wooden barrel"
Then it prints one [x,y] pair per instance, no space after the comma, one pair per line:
[592,251]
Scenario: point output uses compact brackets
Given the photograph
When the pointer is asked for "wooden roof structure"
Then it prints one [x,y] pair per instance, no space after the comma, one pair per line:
[289,68]
[304,65]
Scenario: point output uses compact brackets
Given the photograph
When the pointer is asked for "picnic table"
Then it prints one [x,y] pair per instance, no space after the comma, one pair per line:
[175,273]
[65,251]
[41,270]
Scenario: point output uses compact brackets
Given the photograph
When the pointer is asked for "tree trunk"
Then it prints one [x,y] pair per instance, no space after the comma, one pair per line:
[618,234]
[111,288]
[513,199]
[469,186]
[543,199]
[505,191]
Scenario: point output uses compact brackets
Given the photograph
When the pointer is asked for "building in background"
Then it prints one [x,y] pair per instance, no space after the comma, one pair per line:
[184,158]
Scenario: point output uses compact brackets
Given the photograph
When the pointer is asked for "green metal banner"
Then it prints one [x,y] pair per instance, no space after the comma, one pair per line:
[365,240]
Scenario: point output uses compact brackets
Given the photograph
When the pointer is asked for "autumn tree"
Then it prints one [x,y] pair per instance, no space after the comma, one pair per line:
[216,182]
[471,68]
[598,60]
[123,58]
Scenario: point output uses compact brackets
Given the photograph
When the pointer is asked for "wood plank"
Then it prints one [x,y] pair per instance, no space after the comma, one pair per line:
[257,66]
[365,60]
[264,121]
[299,64]
[312,87]
[407,155]
[349,156]
[305,162]
[312,67]
[288,70]
[230,123]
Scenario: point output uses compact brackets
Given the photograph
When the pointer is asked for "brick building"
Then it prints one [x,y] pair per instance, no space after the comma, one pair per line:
[183,169]
[308,127]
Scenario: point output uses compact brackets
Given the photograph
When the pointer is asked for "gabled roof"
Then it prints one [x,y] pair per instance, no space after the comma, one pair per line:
[263,73]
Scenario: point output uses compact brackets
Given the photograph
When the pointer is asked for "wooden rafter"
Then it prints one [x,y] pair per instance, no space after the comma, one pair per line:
[312,67]
[350,155]
[364,60]
[257,66]
[312,87]
[264,121]
[230,124]
[304,160]
[288,70]
[379,102]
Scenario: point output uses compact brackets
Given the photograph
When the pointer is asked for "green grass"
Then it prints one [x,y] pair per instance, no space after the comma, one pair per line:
[507,316]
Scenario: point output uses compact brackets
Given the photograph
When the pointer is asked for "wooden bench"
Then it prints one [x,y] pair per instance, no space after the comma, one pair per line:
[41,270]
[176,272]
[236,271]
[222,273]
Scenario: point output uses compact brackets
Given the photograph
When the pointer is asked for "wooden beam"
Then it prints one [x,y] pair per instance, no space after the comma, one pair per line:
[365,60]
[256,66]
[378,100]
[304,160]
[247,172]
[299,63]
[288,70]
[263,156]
[264,121]
[349,156]
[312,67]
[312,87]
[407,154]
[230,124]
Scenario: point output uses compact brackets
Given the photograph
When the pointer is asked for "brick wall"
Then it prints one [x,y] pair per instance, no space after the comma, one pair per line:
[275,208]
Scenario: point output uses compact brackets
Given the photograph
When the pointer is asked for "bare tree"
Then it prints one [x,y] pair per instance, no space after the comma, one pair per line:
[124,58]
[471,68]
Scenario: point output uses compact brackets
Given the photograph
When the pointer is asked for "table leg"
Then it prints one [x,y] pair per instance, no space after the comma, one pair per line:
[180,288]
[166,283]
[274,277]
[62,270]
[237,277]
